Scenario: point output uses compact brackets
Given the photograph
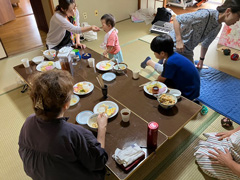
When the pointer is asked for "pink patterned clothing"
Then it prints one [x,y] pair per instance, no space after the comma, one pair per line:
[113,41]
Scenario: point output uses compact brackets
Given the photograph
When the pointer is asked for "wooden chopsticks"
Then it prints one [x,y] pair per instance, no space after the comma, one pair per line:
[145,84]
[100,80]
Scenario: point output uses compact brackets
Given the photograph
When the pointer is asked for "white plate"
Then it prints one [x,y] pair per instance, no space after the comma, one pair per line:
[74,100]
[163,88]
[82,117]
[108,76]
[101,65]
[44,63]
[88,84]
[110,105]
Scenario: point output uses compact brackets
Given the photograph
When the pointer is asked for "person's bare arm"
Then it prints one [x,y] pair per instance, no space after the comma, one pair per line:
[179,42]
[227,134]
[78,44]
[203,53]
[102,128]
[109,49]
[161,79]
[225,159]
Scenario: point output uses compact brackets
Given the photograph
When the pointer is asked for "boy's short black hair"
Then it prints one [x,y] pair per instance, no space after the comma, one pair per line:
[163,43]
[109,19]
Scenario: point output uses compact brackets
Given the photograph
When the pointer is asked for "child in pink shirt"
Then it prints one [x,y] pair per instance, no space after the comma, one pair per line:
[111,43]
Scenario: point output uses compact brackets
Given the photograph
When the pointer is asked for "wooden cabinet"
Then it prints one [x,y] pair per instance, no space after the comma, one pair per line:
[6,11]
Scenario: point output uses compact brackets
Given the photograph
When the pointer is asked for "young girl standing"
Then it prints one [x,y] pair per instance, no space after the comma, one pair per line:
[111,42]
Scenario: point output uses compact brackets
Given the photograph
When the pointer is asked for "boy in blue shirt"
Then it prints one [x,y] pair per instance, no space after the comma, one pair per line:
[177,71]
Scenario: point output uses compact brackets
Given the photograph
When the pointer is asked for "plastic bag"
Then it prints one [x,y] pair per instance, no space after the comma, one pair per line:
[89,35]
[144,14]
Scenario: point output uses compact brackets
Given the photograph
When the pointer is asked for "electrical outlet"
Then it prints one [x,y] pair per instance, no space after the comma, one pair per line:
[96,12]
[84,15]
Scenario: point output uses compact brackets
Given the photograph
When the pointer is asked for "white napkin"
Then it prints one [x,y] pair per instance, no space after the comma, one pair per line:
[128,155]
[104,44]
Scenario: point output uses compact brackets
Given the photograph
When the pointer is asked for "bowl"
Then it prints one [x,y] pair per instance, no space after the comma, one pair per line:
[49,54]
[120,67]
[38,59]
[166,100]
[92,122]
[175,92]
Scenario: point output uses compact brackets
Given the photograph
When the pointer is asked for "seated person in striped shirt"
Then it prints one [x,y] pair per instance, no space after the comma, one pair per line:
[219,155]
[202,26]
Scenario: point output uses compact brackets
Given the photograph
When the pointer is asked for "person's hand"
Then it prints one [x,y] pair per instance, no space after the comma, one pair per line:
[200,64]
[95,28]
[102,120]
[223,135]
[180,46]
[105,54]
[82,46]
[221,157]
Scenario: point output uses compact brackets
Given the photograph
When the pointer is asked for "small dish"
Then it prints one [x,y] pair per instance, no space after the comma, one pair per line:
[86,55]
[74,100]
[82,117]
[109,76]
[175,92]
[92,122]
[38,59]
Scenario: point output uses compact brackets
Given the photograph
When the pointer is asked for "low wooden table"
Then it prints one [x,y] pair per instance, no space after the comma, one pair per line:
[126,93]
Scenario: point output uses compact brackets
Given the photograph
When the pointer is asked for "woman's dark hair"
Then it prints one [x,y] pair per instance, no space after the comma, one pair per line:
[234,5]
[50,91]
[63,4]
[109,19]
[163,43]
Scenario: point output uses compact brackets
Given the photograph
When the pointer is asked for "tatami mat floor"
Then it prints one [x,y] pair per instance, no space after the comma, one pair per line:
[15,107]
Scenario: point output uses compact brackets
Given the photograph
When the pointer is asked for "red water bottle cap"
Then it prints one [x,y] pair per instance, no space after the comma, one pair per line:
[153,125]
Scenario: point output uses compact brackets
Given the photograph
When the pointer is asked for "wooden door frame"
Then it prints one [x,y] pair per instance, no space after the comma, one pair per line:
[51,6]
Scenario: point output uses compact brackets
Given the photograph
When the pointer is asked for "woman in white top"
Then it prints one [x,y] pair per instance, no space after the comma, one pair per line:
[64,27]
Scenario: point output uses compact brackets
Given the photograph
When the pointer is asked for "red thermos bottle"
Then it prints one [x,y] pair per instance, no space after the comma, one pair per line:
[152,135]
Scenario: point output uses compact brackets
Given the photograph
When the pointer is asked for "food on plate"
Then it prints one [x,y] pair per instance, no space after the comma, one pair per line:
[73,100]
[86,54]
[94,125]
[108,110]
[166,99]
[82,88]
[151,85]
[105,66]
[47,66]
